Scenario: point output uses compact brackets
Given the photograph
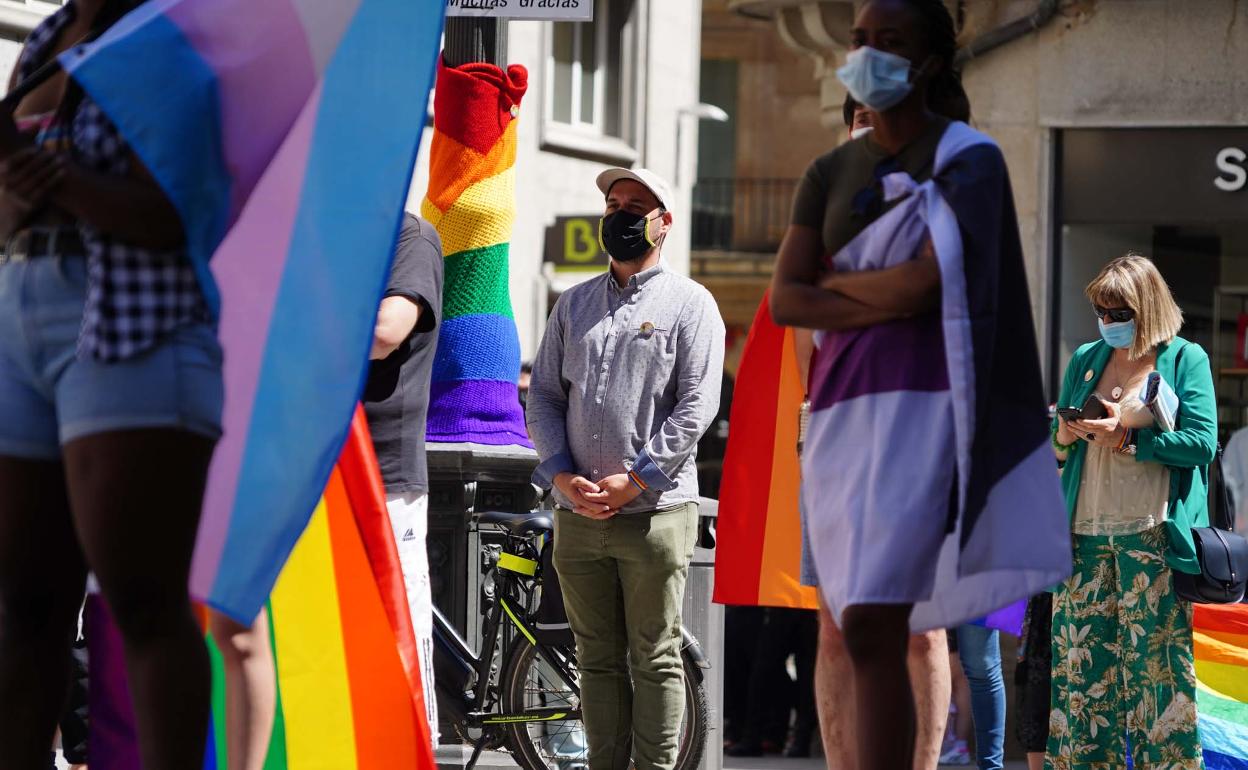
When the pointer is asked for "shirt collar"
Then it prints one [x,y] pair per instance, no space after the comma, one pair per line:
[635,281]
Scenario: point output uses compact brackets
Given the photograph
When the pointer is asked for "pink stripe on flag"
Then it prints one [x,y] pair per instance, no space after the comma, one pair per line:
[261,54]
[249,266]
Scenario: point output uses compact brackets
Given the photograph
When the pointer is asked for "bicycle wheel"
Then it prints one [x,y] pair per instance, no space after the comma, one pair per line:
[528,682]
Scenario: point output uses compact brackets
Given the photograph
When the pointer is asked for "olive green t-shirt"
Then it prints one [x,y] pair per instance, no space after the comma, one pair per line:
[841,194]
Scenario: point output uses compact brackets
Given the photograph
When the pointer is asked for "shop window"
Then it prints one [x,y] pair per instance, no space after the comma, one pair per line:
[592,70]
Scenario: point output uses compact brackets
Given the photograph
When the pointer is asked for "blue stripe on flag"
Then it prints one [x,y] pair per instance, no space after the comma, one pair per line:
[456,360]
[1224,738]
[1216,761]
[154,86]
[372,113]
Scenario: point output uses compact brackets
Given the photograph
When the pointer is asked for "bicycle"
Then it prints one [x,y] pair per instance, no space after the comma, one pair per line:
[531,702]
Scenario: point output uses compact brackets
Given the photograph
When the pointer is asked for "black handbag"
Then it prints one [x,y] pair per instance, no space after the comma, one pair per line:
[1222,554]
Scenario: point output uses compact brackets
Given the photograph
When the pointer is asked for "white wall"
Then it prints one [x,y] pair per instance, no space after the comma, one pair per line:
[551,183]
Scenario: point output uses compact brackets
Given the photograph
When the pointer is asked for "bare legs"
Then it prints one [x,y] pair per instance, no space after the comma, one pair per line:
[251,689]
[927,664]
[42,578]
[136,498]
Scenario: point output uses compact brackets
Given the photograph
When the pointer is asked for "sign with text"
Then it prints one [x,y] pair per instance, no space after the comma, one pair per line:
[547,10]
[1154,175]
[572,243]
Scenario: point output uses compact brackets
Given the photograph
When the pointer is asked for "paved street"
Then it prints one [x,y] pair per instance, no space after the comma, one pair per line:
[779,763]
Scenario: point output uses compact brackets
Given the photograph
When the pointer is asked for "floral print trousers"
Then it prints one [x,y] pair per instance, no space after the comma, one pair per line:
[1123,674]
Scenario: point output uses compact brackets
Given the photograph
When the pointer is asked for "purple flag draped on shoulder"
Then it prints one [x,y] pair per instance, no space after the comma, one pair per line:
[962,416]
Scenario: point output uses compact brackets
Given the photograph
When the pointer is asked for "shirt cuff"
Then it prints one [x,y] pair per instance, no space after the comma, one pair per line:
[1145,446]
[651,473]
[544,475]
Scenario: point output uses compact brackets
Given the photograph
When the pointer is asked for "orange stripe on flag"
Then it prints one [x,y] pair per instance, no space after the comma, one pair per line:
[779,580]
[381,705]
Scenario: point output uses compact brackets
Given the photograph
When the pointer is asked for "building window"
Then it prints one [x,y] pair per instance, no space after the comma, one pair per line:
[591,82]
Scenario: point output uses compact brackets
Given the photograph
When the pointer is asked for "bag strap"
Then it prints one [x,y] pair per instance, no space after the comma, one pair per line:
[1224,518]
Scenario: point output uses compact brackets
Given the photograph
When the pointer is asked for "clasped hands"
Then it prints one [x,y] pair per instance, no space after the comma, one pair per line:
[597,500]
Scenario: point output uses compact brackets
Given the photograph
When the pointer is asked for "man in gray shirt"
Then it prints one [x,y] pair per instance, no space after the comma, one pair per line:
[625,382]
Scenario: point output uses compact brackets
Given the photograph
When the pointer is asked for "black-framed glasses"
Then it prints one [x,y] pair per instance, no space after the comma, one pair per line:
[1114,314]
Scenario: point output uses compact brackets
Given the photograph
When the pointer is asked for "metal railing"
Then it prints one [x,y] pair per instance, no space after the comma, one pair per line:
[742,215]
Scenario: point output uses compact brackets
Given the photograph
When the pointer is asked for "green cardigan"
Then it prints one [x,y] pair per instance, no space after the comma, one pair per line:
[1187,451]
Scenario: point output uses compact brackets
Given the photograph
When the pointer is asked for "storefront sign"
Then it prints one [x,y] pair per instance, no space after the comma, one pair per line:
[549,10]
[1231,174]
[572,243]
[1154,175]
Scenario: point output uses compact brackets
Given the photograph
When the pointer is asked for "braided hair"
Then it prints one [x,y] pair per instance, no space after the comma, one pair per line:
[945,93]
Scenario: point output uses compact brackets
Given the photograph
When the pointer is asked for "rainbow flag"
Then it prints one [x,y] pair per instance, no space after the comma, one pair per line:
[349,690]
[285,133]
[1220,634]
[759,528]
[472,203]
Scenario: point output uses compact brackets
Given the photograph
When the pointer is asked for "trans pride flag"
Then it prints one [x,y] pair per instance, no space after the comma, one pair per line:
[285,133]
[1220,636]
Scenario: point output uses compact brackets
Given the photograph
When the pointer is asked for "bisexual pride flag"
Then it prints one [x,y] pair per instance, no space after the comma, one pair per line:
[285,133]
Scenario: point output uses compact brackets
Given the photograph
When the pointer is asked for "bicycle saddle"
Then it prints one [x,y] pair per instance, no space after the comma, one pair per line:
[518,524]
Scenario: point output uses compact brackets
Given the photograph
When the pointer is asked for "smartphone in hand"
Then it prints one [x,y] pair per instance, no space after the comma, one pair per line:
[1093,409]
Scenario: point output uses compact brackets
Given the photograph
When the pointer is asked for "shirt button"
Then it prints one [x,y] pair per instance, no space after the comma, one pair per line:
[594,471]
[595,437]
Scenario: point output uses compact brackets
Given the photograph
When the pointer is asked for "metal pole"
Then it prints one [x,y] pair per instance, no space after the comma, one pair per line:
[475,39]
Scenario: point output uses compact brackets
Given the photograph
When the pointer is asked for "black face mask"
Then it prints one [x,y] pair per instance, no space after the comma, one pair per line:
[625,236]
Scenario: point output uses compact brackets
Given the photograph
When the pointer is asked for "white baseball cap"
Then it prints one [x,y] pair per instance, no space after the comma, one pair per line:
[643,176]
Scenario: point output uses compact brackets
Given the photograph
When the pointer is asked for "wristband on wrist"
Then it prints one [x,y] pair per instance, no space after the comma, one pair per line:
[637,482]
[1059,446]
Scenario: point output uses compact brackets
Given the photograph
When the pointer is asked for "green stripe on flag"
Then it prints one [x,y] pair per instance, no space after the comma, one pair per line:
[276,759]
[218,701]
[476,283]
[1211,704]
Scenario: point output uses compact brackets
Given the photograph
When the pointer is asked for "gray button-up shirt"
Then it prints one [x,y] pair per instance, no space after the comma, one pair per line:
[628,379]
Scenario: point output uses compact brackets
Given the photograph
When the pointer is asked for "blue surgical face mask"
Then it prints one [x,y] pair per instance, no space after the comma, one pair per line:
[1117,335]
[876,79]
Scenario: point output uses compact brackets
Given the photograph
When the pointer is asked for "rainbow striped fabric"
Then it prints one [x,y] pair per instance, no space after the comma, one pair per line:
[1220,633]
[285,133]
[759,527]
[471,202]
[349,688]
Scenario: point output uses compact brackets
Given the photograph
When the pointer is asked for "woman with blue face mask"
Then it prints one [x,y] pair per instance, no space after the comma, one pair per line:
[903,254]
[1123,676]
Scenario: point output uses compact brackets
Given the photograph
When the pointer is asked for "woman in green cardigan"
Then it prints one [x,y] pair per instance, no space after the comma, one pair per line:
[1123,675]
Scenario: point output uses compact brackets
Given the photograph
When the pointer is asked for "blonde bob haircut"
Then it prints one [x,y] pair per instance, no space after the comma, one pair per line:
[1133,281]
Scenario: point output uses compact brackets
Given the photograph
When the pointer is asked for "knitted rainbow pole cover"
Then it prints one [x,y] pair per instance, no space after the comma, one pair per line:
[472,203]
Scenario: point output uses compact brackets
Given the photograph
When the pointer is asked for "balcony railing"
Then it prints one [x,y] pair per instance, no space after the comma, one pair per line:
[741,215]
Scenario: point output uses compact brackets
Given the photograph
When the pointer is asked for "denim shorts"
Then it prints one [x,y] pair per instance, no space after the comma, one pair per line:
[50,396]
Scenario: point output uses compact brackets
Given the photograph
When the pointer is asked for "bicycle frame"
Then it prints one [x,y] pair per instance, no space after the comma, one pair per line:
[463,678]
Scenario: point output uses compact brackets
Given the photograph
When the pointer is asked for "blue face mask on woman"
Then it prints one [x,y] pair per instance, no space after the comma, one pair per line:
[1117,335]
[876,79]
